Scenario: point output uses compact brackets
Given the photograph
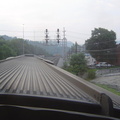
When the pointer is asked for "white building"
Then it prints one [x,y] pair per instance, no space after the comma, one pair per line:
[90,59]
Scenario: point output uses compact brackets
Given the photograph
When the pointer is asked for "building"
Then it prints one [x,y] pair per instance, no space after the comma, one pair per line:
[90,59]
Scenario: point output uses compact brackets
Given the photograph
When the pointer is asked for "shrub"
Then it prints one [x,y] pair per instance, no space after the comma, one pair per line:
[91,74]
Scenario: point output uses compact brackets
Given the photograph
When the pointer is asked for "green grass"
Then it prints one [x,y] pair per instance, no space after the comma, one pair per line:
[109,89]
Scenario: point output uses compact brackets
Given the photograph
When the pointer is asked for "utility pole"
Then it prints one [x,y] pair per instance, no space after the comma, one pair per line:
[76,49]
[64,44]
[23,39]
[34,50]
[34,36]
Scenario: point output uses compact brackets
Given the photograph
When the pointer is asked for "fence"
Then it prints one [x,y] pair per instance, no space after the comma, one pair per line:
[111,71]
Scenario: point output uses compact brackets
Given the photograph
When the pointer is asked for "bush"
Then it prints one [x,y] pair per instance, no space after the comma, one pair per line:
[91,74]
[78,64]
[65,65]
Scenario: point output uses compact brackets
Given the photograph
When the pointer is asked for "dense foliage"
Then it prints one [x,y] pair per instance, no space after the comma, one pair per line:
[102,45]
[14,47]
[91,74]
[77,64]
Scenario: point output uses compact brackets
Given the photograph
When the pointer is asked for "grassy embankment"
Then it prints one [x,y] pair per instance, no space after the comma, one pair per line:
[108,88]
[101,85]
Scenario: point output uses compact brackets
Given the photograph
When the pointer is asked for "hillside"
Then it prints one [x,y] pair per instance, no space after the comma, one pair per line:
[14,47]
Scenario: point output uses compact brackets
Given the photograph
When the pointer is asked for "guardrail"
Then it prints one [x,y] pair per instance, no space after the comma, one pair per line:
[107,71]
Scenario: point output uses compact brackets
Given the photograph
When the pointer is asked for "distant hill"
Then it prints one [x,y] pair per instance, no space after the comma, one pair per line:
[7,37]
[51,49]
[10,47]
[69,43]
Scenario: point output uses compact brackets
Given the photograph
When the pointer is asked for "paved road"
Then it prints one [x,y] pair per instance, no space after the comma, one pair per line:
[112,81]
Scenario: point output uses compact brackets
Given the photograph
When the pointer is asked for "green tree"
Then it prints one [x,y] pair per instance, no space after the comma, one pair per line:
[14,47]
[17,45]
[78,64]
[5,49]
[102,45]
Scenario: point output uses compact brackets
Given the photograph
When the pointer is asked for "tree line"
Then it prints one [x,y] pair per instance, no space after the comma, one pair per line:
[14,47]
[102,45]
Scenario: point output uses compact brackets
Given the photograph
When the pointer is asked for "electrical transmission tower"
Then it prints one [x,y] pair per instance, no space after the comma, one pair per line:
[61,42]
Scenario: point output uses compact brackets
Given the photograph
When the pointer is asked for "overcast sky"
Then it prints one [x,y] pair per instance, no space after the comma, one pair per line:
[78,17]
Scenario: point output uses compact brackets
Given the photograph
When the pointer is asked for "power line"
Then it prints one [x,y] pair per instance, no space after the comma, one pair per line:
[79,33]
[37,32]
[75,37]
[96,43]
[107,53]
[23,39]
[102,50]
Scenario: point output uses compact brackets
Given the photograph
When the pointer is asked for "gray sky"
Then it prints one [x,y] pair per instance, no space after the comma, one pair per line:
[78,17]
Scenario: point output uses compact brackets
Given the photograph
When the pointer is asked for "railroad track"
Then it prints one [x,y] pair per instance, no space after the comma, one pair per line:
[33,77]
